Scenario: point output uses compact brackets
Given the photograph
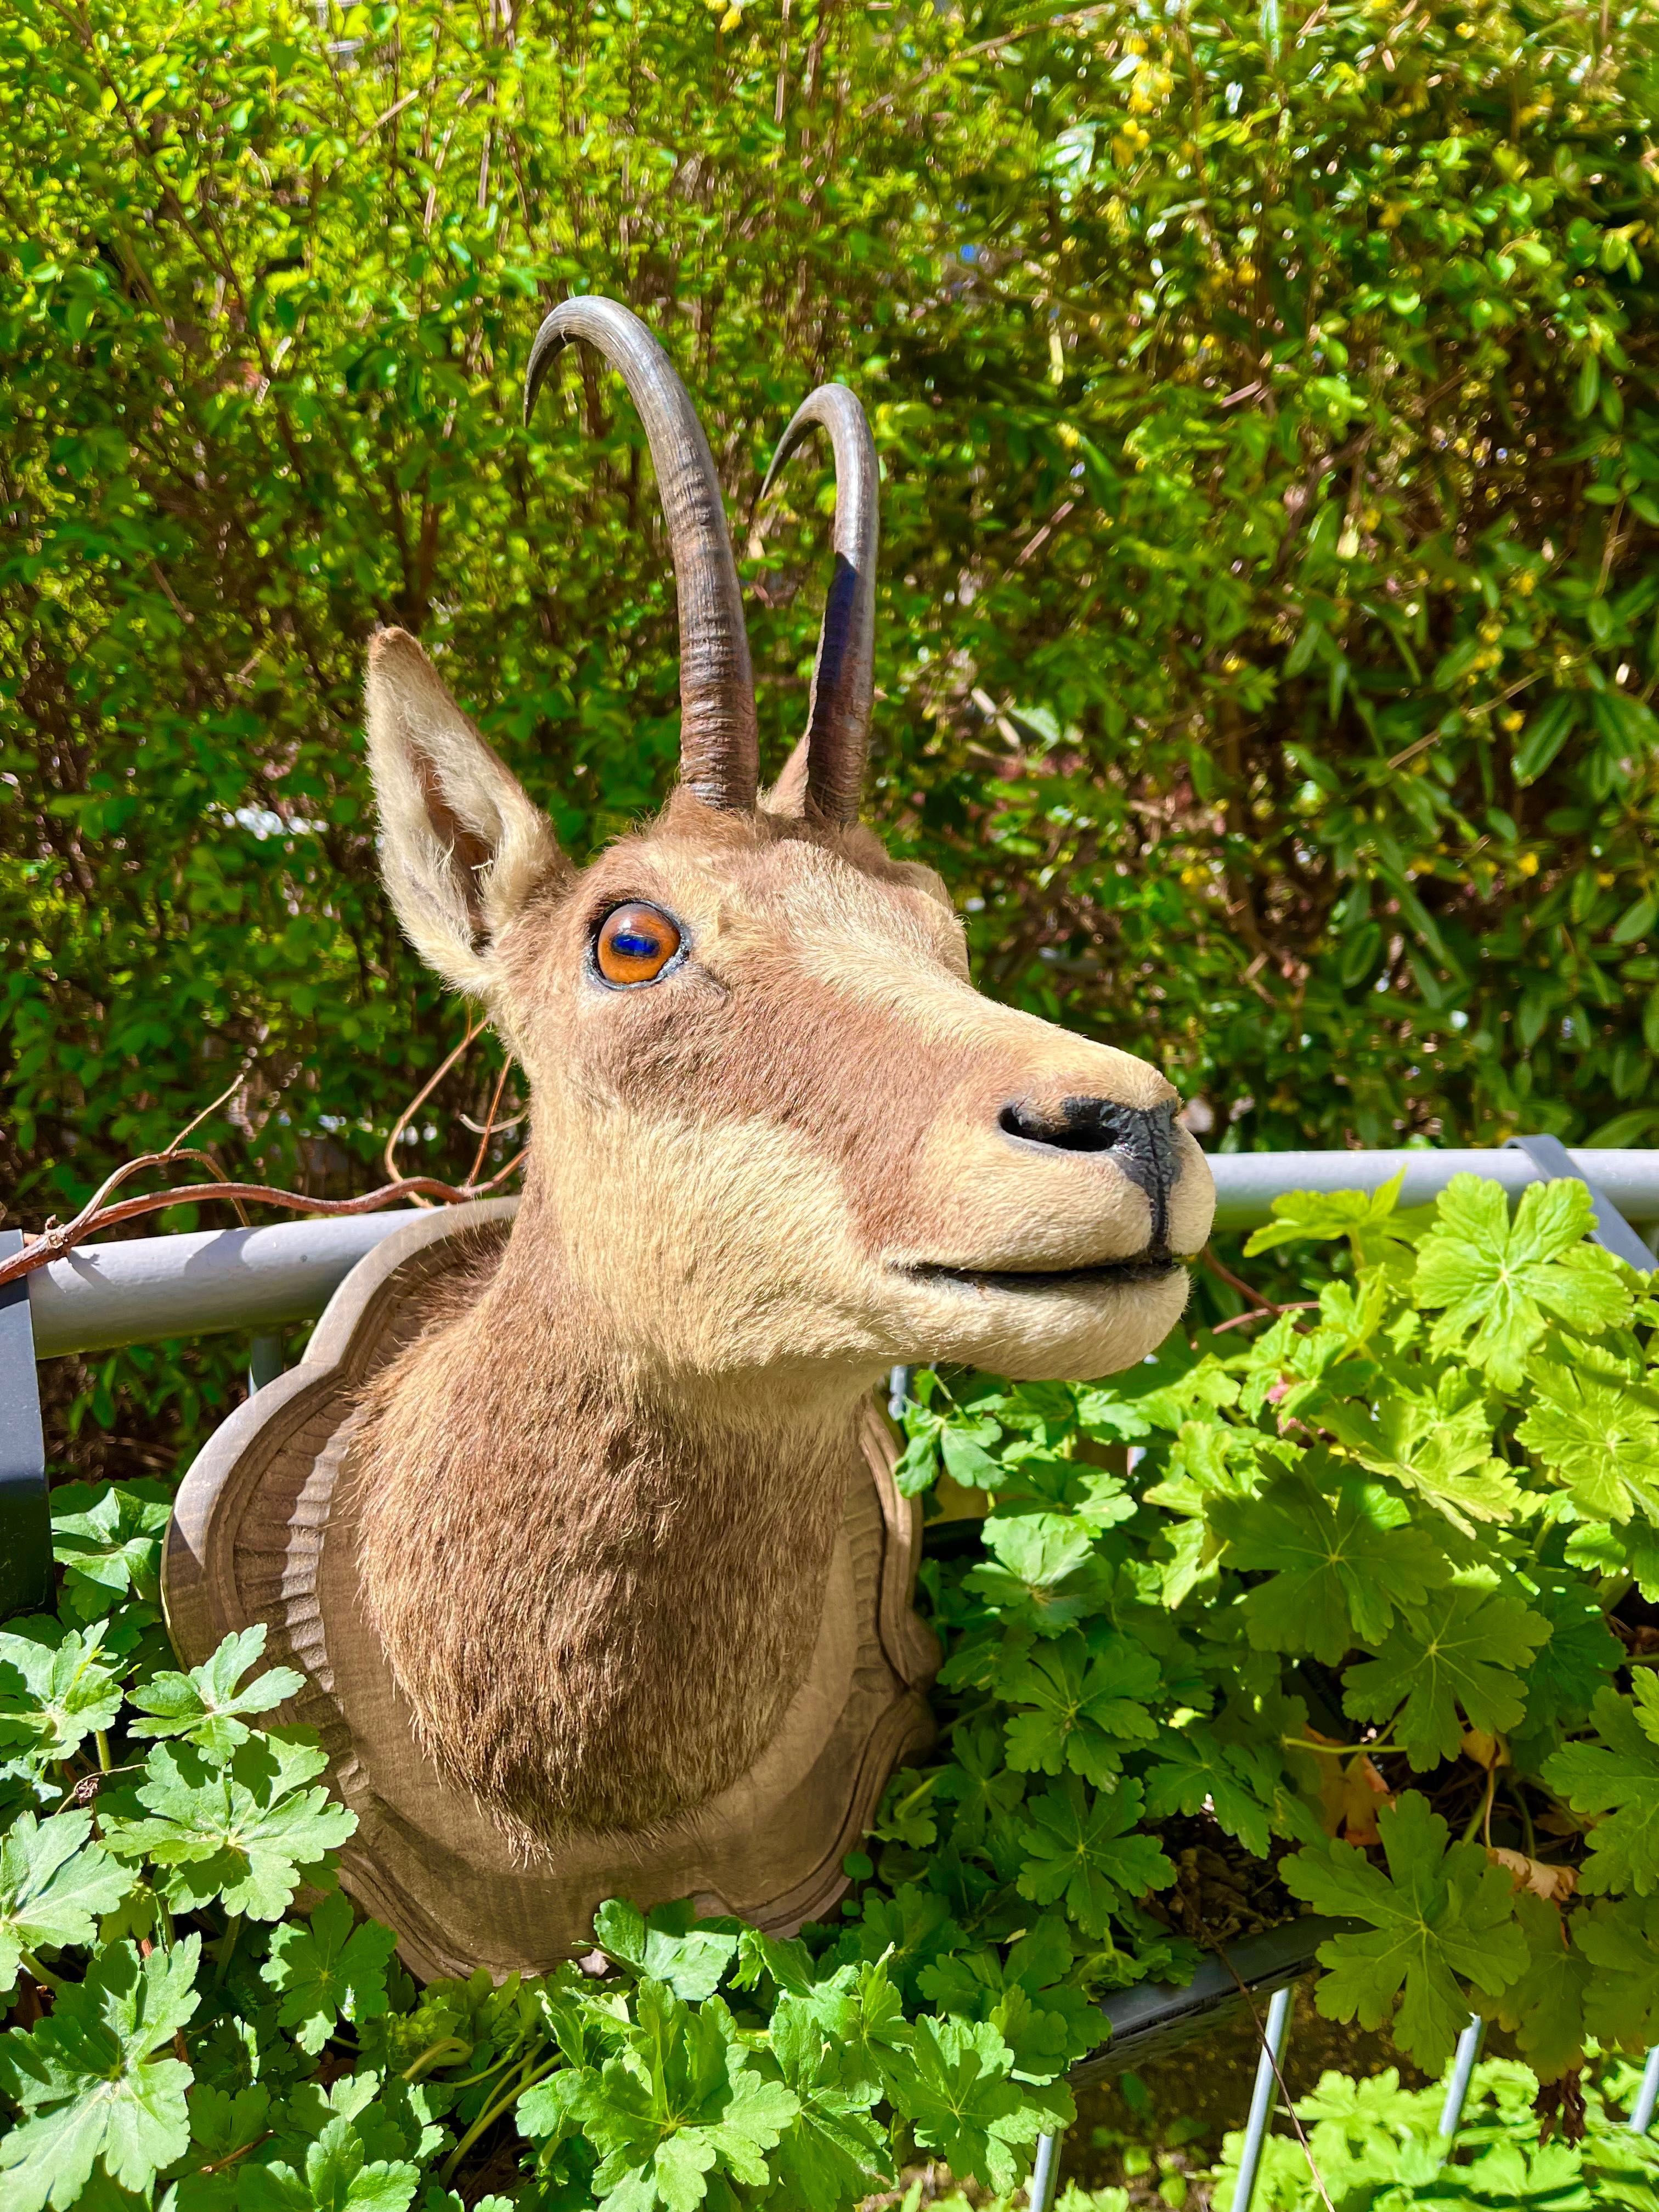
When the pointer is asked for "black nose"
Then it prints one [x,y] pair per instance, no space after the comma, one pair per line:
[1142,1138]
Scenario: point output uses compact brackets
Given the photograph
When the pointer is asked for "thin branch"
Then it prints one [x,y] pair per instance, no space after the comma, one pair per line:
[473,1029]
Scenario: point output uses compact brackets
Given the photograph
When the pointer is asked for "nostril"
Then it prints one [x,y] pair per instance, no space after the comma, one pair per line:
[1079,1125]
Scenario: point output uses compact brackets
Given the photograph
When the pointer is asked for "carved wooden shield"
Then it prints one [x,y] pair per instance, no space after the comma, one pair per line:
[263,1530]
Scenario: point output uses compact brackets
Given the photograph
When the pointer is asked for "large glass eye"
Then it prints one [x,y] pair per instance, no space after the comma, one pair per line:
[634,945]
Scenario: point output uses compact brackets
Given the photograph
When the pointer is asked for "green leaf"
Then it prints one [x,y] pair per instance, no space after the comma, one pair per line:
[53,1695]
[1325,1213]
[683,2106]
[1498,1280]
[1620,1942]
[1436,1916]
[960,2101]
[667,1945]
[338,2177]
[205,1706]
[967,1460]
[1617,1777]
[1546,733]
[1342,1566]
[832,2150]
[108,1539]
[246,1832]
[1544,2008]
[1563,1680]
[905,1930]
[1445,1457]
[54,1885]
[1080,1849]
[326,1968]
[1596,1437]
[1241,1784]
[1086,1700]
[1466,1647]
[1044,1574]
[862,2016]
[92,2083]
[979,1785]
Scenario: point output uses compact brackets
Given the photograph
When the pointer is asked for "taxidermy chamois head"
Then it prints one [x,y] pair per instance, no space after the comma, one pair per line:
[780,1143]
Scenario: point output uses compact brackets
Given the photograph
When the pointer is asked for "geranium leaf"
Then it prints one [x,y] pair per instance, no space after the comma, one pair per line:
[93,2084]
[54,1886]
[1341,1566]
[205,1706]
[327,1967]
[1496,1281]
[1436,1916]
[1468,1648]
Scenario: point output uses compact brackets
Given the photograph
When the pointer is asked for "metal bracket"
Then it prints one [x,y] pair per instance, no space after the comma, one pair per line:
[25,1518]
[1555,1163]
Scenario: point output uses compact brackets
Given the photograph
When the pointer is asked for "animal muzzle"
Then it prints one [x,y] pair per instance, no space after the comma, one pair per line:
[1141,1140]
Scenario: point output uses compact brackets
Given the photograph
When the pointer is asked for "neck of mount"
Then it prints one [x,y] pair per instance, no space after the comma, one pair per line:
[598,1578]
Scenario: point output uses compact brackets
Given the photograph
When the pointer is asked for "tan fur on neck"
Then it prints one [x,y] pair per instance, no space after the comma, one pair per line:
[540,1539]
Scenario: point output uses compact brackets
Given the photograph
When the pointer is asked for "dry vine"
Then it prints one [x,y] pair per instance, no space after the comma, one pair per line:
[98,1213]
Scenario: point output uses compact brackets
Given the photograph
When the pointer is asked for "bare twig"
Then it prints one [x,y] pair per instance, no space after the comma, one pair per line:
[473,1029]
[488,1128]
[1260,1313]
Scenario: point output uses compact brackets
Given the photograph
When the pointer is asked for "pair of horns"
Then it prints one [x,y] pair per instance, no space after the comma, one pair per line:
[719,752]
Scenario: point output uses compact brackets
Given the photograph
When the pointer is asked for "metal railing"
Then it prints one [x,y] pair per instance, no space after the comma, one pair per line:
[257,1281]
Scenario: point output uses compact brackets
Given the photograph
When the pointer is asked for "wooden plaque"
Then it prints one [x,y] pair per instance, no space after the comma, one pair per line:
[263,1529]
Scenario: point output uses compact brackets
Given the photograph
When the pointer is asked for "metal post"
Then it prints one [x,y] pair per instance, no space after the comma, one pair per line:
[1262,2097]
[265,1364]
[25,1516]
[898,1392]
[1457,2089]
[1045,2174]
[1641,2113]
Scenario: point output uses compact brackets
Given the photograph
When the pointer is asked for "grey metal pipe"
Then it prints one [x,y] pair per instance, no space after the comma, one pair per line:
[1045,2174]
[1462,2072]
[1641,2116]
[1263,2097]
[145,1287]
[1247,1183]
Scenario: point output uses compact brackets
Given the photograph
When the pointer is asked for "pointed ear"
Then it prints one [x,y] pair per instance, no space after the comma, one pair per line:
[788,794]
[462,847]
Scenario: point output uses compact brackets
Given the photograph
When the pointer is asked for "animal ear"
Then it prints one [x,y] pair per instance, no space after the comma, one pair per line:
[788,794]
[462,845]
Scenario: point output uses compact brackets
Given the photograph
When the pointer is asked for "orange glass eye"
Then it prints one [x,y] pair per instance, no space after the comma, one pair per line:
[635,944]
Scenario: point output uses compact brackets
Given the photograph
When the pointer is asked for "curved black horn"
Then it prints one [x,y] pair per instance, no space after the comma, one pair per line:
[843,681]
[719,753]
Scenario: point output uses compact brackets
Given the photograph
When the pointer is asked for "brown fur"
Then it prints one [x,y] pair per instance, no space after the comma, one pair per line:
[597,1506]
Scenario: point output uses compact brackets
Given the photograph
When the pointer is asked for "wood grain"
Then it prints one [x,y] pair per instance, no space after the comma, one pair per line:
[264,1529]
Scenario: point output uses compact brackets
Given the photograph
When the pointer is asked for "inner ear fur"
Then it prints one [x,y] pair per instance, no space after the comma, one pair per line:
[788,796]
[462,847]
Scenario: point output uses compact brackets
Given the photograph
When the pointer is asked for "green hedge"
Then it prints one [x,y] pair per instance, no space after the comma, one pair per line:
[1268,414]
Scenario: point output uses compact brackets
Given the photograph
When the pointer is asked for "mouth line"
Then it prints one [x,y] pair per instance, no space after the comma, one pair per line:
[1150,1266]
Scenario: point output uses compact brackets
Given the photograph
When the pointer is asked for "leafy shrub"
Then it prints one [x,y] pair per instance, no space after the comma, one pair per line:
[1355,1613]
[1268,414]
[1376,2145]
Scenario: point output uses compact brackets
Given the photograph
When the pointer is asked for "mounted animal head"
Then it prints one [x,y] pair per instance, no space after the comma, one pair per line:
[776,1127]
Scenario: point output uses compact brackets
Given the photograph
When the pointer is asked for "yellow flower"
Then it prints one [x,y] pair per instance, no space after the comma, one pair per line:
[1527,864]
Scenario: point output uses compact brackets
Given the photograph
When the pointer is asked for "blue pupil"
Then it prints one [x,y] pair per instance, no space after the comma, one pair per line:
[634,945]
